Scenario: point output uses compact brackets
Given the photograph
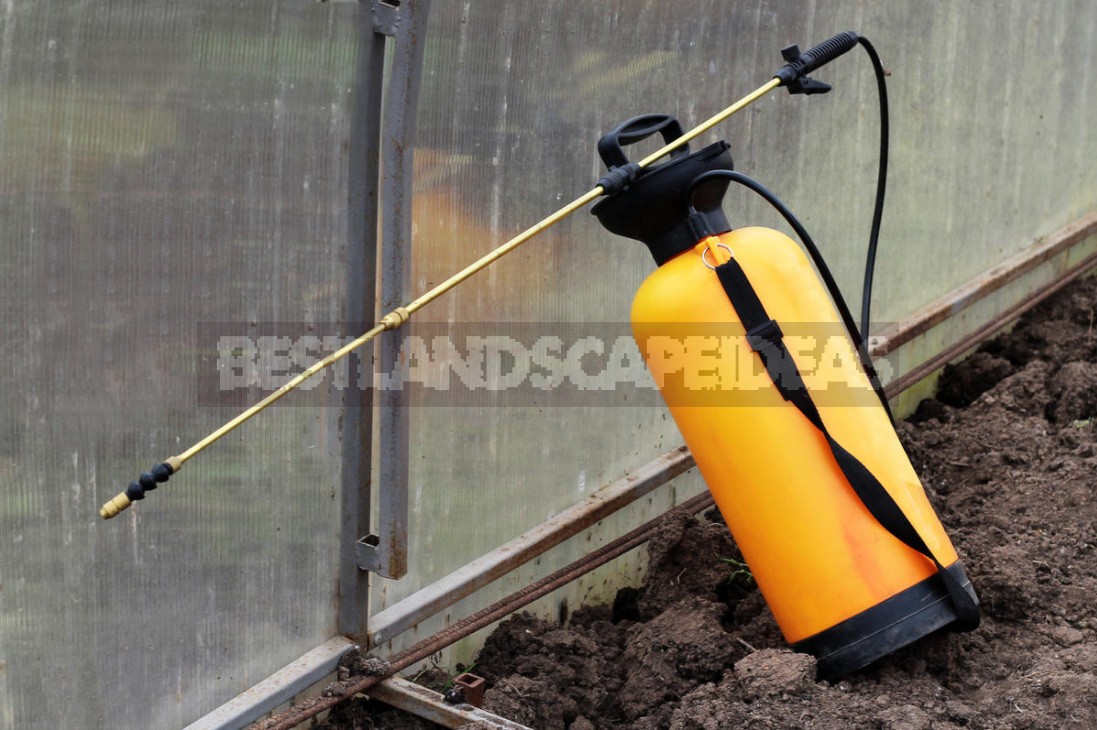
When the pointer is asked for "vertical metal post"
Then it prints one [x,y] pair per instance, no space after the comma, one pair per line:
[379,205]
[384,551]
[361,304]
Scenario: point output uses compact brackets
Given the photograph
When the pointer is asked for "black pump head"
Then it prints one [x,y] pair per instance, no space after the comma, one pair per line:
[653,204]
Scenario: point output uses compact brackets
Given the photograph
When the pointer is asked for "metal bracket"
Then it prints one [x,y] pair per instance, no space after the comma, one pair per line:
[386,16]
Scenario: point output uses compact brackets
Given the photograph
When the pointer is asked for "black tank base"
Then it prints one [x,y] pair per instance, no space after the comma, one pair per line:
[904,618]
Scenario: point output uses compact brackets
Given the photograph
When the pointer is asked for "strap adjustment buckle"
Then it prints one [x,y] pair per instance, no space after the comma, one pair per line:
[767,333]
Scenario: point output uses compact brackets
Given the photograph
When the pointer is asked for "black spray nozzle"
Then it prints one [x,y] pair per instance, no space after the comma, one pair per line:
[147,482]
[793,74]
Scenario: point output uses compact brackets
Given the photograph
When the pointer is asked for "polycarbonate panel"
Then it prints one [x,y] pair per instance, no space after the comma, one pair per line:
[989,150]
[162,165]
[514,99]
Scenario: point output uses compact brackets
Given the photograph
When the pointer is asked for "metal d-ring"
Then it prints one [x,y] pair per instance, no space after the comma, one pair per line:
[707,249]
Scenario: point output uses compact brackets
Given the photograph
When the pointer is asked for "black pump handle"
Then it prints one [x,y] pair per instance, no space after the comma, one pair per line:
[813,58]
[634,130]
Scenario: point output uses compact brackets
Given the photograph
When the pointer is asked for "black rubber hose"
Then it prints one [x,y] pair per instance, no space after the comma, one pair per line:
[881,185]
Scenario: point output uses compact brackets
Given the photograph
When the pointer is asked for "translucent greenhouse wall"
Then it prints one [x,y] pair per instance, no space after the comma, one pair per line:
[170,168]
[162,165]
[990,150]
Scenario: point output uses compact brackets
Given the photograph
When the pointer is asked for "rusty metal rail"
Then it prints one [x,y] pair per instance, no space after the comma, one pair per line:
[413,698]
[985,331]
[978,288]
[466,580]
[294,716]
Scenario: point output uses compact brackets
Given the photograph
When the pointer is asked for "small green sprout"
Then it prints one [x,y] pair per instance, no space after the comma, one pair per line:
[740,571]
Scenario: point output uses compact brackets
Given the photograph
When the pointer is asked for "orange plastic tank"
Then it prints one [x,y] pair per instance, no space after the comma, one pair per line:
[840,584]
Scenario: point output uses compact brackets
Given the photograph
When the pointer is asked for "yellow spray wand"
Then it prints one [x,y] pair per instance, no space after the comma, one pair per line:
[788,75]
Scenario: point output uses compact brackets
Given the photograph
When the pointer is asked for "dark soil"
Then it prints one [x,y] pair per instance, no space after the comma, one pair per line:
[1008,455]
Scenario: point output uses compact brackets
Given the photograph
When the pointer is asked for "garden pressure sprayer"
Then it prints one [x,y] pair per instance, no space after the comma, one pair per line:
[823,502]
[769,381]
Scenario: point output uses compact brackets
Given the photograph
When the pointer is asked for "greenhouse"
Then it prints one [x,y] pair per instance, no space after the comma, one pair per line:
[201,201]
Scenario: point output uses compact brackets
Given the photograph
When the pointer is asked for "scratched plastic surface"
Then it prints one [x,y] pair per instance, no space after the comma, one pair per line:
[161,165]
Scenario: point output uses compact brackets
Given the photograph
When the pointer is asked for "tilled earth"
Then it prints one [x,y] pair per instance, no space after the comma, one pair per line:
[1008,455]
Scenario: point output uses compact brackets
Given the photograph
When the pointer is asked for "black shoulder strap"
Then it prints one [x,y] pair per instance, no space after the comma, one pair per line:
[765,338]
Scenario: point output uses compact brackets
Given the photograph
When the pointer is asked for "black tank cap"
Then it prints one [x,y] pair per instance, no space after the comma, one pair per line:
[654,208]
